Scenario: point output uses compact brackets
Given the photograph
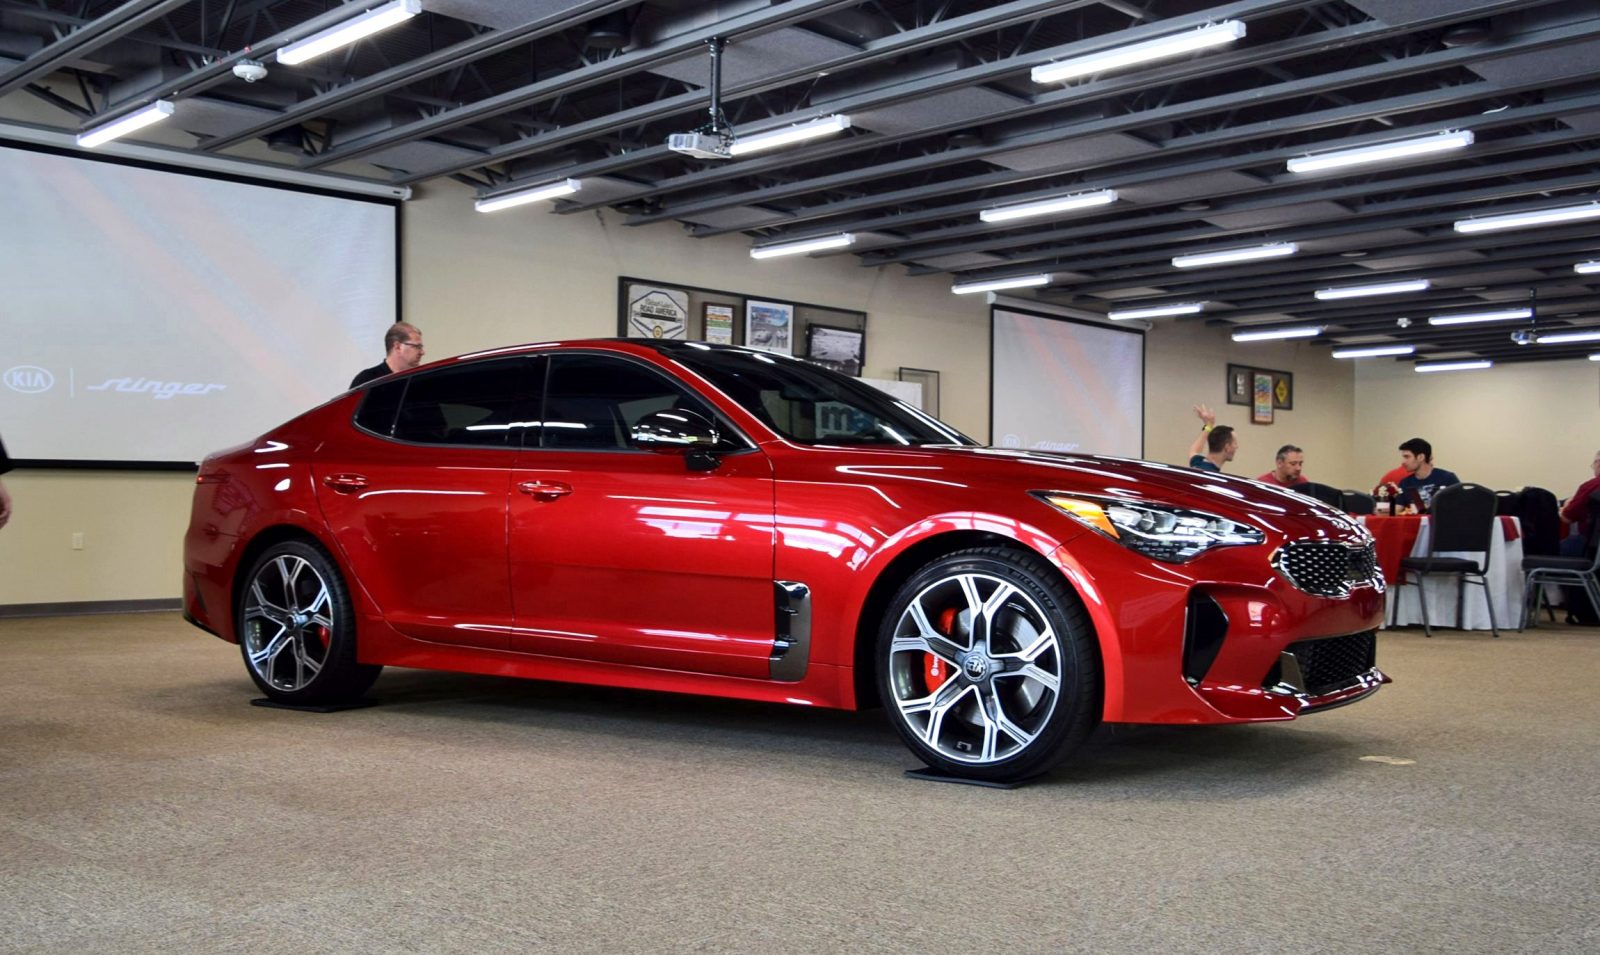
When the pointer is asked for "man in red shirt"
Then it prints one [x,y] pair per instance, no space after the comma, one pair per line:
[1577,509]
[1291,460]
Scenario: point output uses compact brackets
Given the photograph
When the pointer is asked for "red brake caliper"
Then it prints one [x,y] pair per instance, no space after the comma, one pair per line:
[935,668]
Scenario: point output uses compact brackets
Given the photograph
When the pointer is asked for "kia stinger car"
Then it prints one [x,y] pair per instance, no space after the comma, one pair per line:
[673,515]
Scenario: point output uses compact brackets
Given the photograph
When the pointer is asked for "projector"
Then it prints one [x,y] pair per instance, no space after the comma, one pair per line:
[249,70]
[701,145]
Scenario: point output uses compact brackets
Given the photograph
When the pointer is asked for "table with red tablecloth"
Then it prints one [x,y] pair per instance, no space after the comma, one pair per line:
[1407,536]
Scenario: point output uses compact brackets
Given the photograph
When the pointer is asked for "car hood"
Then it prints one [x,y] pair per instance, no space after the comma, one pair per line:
[1104,476]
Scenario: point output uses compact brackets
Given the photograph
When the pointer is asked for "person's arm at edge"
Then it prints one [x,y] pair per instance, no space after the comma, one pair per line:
[1208,420]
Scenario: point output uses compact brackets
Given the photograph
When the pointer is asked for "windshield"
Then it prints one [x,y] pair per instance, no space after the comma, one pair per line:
[812,405]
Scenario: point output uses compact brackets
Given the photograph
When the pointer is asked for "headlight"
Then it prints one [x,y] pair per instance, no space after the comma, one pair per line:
[1159,532]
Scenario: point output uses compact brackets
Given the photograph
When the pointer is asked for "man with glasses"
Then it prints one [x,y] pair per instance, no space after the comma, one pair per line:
[403,346]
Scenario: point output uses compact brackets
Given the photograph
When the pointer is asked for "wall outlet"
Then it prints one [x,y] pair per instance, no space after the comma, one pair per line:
[77,540]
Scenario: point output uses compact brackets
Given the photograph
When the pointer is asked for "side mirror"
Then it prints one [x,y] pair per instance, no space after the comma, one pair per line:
[674,431]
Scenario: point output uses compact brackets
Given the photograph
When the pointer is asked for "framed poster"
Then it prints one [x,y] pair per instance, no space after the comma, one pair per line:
[769,326]
[929,380]
[1283,390]
[841,349]
[1261,398]
[655,312]
[1239,385]
[719,323]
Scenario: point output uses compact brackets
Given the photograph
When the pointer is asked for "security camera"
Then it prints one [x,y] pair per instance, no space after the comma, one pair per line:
[1522,336]
[249,70]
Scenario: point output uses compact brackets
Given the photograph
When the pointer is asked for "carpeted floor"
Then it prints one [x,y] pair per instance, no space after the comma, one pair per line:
[145,807]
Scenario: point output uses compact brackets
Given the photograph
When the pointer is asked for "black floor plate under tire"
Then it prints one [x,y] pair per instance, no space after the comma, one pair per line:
[931,776]
[315,708]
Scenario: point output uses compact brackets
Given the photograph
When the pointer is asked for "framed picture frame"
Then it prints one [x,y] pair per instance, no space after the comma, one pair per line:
[1261,397]
[929,380]
[1239,385]
[769,326]
[718,323]
[1283,390]
[841,349]
[657,312]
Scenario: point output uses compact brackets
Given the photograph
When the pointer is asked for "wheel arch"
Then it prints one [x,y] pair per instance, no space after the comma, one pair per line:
[264,539]
[900,569]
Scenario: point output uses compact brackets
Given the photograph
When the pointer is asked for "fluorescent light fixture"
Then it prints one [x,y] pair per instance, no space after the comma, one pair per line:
[798,133]
[122,126]
[521,197]
[1212,34]
[1587,268]
[995,285]
[802,246]
[1044,207]
[1426,366]
[1385,288]
[1374,351]
[1268,334]
[1595,356]
[1564,338]
[1469,318]
[1518,220]
[348,32]
[1235,255]
[1156,311]
[1381,152]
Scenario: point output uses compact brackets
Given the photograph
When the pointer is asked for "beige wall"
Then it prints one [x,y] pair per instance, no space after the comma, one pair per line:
[1506,427]
[1186,364]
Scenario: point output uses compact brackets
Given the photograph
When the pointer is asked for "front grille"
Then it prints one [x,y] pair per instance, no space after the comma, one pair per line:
[1334,662]
[1328,569]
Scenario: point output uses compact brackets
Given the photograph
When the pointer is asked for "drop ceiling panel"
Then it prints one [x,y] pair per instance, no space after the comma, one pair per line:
[1279,215]
[954,106]
[1184,188]
[1461,257]
[1371,242]
[747,59]
[1090,150]
[737,217]
[965,260]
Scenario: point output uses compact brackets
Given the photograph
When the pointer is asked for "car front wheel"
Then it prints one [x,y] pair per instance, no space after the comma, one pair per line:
[987,665]
[297,629]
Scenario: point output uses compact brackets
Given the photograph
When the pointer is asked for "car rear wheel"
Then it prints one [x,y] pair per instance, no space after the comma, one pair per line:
[987,665]
[297,629]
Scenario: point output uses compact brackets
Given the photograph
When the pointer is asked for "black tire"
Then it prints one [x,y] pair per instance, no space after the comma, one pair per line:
[297,628]
[1001,700]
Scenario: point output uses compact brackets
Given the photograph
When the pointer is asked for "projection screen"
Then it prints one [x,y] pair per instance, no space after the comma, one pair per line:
[152,317]
[1066,385]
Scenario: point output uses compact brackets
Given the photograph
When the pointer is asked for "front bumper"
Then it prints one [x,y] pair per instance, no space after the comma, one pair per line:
[1225,638]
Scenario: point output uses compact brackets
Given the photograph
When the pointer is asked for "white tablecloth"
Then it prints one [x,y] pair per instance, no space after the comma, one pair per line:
[1505,588]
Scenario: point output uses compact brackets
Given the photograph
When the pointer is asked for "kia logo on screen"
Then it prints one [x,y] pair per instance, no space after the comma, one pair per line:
[29,379]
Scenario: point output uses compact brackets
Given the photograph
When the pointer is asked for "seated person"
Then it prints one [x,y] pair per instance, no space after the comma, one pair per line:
[1290,461]
[1422,479]
[1576,512]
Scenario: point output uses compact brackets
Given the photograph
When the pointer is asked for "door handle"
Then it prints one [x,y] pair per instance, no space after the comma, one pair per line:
[345,483]
[545,490]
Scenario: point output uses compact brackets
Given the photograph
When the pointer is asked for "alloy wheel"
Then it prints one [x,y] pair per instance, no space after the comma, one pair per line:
[975,668]
[288,623]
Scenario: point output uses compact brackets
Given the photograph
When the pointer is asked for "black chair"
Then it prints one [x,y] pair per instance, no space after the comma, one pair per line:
[1357,502]
[1508,502]
[1572,571]
[1326,493]
[1540,518]
[1463,520]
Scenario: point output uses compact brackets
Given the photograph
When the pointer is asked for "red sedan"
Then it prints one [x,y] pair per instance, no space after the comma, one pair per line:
[707,519]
